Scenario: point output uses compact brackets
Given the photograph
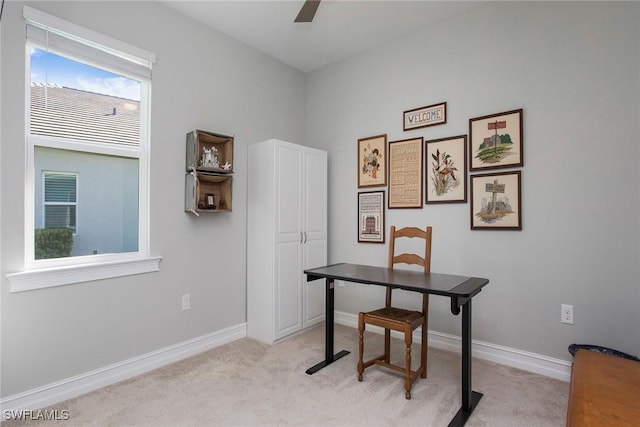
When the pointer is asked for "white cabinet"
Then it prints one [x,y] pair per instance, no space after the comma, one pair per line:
[286,234]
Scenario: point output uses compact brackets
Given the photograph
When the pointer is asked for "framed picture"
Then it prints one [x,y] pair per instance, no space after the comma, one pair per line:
[495,141]
[371,217]
[405,173]
[430,115]
[372,161]
[446,166]
[496,201]
[210,201]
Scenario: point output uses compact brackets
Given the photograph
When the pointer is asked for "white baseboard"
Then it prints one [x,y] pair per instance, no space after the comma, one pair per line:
[531,362]
[75,386]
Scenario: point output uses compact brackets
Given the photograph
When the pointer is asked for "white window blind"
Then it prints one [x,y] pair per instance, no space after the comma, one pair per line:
[65,38]
[60,198]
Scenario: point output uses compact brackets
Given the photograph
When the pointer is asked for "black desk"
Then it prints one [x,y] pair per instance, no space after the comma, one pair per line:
[460,289]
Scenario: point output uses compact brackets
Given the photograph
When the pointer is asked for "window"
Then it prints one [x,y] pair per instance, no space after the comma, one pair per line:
[60,199]
[87,115]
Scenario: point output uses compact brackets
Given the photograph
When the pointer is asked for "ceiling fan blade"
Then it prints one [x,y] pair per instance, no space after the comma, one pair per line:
[308,11]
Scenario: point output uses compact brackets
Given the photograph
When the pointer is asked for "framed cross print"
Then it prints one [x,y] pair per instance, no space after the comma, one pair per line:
[496,201]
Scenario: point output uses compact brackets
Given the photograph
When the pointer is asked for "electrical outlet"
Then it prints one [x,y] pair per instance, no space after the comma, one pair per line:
[567,314]
[186,302]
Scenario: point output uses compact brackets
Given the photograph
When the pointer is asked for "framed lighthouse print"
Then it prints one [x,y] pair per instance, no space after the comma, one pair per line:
[495,141]
[496,201]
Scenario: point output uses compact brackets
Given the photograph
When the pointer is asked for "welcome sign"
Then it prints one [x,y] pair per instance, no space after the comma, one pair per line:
[425,116]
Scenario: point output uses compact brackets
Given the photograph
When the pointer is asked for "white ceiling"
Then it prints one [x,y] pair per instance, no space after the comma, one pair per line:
[341,28]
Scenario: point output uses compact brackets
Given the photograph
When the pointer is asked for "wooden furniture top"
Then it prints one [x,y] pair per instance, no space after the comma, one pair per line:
[605,391]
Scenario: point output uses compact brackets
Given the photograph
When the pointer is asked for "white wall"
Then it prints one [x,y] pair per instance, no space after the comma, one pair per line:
[202,80]
[574,69]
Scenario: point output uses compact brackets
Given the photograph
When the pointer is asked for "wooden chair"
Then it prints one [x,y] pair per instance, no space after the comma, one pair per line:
[399,319]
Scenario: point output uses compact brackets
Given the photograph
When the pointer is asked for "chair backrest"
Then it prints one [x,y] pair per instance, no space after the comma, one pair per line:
[423,260]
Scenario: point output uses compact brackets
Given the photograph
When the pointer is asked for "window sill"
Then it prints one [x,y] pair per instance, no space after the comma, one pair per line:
[59,276]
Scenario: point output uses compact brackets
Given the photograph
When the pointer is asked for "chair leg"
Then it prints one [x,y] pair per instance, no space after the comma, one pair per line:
[407,373]
[361,328]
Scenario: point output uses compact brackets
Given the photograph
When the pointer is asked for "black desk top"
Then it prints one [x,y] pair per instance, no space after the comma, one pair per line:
[417,281]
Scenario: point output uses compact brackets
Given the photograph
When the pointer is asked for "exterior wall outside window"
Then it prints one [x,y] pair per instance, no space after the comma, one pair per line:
[107,211]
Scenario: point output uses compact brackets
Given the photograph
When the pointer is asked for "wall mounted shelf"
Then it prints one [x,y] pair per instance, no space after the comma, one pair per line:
[209,167]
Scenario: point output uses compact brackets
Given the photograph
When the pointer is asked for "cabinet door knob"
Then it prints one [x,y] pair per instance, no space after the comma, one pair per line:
[305,237]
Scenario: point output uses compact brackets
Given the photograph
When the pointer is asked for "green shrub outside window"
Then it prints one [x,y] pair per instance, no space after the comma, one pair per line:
[53,243]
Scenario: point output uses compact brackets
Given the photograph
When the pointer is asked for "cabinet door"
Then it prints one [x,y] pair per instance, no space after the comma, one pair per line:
[288,292]
[315,233]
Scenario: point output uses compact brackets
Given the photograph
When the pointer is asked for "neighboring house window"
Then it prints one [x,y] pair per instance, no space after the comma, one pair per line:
[60,200]
[87,115]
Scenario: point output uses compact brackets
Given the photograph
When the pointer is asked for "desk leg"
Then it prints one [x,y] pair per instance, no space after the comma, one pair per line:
[469,398]
[329,357]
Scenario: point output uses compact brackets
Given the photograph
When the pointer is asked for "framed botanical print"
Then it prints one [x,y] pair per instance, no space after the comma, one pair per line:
[496,201]
[495,141]
[372,161]
[446,170]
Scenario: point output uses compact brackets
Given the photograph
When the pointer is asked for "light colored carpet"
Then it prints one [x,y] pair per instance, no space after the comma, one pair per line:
[246,383]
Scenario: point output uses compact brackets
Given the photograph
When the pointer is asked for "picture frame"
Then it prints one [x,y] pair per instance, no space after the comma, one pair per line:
[421,117]
[496,201]
[372,161]
[209,201]
[405,173]
[371,227]
[490,150]
[446,170]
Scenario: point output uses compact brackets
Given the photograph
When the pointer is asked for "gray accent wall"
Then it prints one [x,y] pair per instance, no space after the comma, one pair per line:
[573,67]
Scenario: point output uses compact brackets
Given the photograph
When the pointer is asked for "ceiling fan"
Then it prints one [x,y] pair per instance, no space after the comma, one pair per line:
[308,11]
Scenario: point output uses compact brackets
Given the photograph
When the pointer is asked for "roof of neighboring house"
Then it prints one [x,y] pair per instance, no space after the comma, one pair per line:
[75,114]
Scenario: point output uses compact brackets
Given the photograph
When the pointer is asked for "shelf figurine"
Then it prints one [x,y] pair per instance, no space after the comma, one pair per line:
[210,157]
[226,166]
